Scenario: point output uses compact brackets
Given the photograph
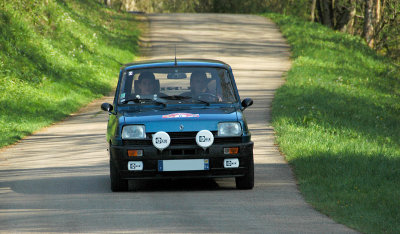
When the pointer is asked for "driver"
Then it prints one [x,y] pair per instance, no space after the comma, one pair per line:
[147,84]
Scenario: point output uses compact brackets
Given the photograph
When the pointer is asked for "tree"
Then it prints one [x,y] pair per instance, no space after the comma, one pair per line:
[314,2]
[344,16]
[327,12]
[368,29]
[348,27]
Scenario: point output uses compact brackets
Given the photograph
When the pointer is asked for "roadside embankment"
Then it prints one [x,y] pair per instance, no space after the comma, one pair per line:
[337,121]
[56,56]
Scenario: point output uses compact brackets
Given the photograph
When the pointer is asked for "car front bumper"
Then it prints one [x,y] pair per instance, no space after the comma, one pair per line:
[151,160]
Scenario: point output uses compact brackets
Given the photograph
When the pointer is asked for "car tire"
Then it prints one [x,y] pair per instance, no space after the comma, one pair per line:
[117,184]
[247,181]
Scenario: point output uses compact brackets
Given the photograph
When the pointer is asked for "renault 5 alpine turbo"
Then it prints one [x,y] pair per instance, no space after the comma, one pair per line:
[178,119]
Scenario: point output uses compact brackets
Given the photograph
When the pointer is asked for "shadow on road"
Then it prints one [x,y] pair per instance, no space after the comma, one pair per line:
[95,180]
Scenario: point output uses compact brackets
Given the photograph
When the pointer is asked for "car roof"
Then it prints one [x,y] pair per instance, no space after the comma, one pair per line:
[179,63]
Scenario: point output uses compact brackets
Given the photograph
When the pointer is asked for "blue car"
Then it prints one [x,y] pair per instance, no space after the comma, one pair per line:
[178,119]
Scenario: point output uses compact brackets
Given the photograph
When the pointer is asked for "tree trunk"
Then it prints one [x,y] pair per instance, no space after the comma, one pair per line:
[327,12]
[348,23]
[319,11]
[353,12]
[107,3]
[378,10]
[368,26]
[313,10]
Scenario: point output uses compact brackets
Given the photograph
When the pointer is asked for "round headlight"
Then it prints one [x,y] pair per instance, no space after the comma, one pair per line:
[229,129]
[133,132]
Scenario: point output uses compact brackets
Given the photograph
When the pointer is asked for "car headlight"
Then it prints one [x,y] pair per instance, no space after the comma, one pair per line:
[229,129]
[133,132]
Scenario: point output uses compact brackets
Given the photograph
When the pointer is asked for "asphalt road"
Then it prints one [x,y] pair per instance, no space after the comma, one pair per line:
[57,180]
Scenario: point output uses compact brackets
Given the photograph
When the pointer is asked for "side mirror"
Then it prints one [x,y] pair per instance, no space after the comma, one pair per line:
[247,102]
[107,107]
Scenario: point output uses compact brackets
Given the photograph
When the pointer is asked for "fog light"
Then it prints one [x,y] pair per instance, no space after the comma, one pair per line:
[135,166]
[232,150]
[135,153]
[231,163]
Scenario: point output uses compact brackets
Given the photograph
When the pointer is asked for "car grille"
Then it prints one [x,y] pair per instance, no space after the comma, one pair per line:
[183,138]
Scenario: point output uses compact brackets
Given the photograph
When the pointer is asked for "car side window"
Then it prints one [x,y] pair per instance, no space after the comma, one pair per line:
[226,86]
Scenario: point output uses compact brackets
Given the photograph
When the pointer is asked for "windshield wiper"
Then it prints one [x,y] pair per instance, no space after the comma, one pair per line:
[141,100]
[202,101]
[179,97]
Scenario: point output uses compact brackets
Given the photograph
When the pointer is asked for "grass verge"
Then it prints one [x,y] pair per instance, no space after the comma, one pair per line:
[55,56]
[337,121]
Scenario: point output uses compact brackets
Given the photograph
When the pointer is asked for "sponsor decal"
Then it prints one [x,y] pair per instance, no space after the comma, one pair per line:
[181,115]
[204,139]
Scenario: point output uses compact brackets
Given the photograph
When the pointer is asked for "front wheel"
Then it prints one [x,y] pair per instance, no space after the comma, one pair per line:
[117,184]
[247,181]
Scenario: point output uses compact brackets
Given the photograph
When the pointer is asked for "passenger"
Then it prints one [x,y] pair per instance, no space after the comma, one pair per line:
[198,83]
[147,84]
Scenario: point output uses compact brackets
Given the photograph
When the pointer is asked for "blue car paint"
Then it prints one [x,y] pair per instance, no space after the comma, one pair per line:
[154,120]
[208,118]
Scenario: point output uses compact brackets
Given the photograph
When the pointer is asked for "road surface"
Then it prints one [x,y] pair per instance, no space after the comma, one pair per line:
[57,180]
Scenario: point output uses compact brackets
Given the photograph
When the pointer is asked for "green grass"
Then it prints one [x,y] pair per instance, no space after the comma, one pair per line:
[56,57]
[337,121]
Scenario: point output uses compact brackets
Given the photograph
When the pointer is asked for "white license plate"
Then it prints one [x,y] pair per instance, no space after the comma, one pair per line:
[184,165]
[135,166]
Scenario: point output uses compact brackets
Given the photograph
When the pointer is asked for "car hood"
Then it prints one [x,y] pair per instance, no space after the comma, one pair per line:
[170,120]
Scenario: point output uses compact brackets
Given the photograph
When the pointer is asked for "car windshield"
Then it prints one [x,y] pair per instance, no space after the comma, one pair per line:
[176,85]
